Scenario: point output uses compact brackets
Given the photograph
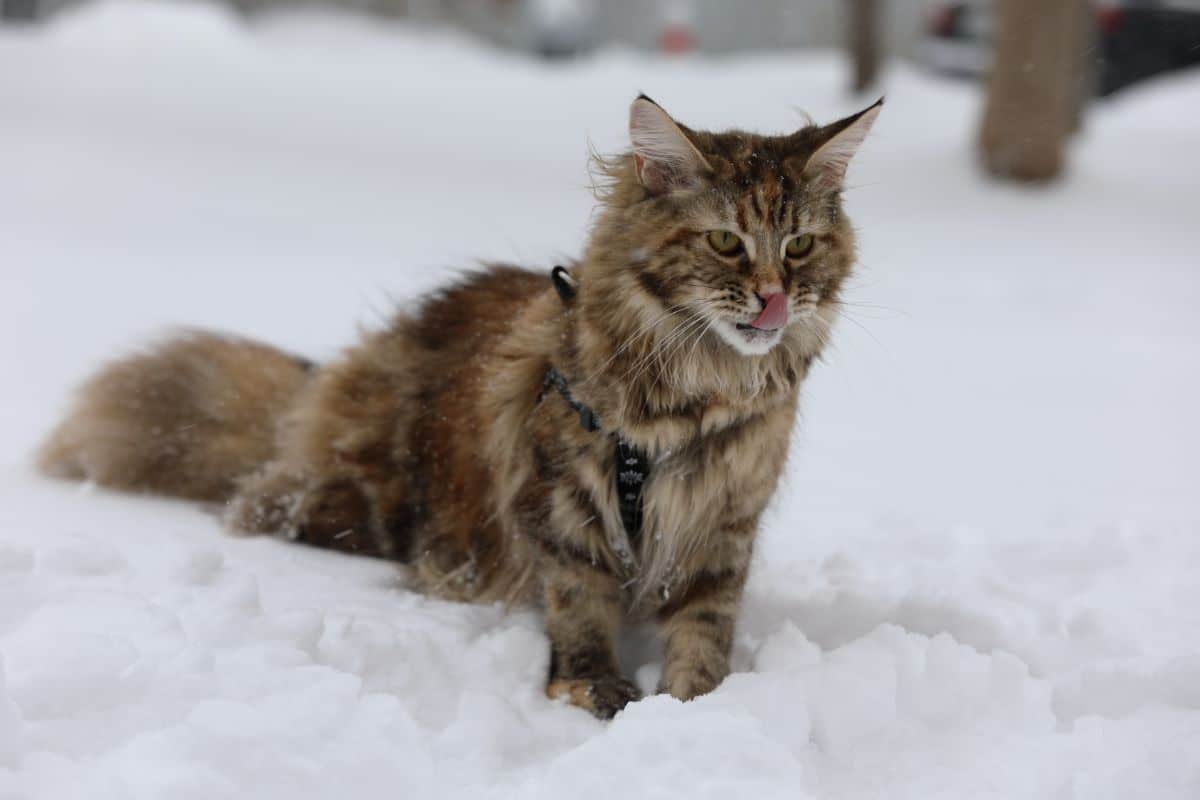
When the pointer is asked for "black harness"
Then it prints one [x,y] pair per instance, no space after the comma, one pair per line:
[632,466]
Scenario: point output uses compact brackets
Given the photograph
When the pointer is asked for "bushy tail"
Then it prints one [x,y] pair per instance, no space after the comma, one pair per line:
[186,418]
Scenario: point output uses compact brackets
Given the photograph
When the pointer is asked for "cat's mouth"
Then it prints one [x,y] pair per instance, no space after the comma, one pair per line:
[753,333]
[756,336]
[748,339]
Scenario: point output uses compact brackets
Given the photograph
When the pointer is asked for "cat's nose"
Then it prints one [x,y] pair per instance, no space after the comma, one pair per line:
[774,312]
[764,293]
[767,287]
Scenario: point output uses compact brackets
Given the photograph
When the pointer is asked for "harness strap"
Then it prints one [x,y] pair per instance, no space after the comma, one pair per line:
[563,283]
[633,468]
[631,465]
[587,417]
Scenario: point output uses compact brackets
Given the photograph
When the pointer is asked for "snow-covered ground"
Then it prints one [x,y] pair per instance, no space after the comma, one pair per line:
[981,578]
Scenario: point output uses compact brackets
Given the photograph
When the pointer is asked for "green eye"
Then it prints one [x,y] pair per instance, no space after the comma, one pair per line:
[725,243]
[799,246]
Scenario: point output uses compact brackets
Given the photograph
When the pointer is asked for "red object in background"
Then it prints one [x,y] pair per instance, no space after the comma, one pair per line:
[677,39]
[1110,18]
[941,20]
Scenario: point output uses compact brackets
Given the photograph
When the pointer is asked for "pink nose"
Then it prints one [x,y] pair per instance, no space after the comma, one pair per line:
[774,314]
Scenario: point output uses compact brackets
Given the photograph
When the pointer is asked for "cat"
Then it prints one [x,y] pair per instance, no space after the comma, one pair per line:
[603,444]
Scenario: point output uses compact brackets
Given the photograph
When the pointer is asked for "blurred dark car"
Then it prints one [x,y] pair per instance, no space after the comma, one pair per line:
[21,10]
[1134,40]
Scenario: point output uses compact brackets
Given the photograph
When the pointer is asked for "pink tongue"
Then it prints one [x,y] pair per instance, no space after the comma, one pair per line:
[774,316]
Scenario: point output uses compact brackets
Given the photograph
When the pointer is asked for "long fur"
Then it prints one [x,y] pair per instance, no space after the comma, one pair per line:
[432,442]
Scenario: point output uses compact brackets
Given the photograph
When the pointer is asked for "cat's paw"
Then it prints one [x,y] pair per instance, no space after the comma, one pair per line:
[603,697]
[264,503]
[336,515]
[691,682]
[329,508]
[247,515]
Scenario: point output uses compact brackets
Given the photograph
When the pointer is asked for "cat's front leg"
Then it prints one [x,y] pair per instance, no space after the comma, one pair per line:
[583,613]
[697,627]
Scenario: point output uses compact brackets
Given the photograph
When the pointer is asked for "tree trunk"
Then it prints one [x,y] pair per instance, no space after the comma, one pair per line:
[1086,44]
[863,41]
[1034,96]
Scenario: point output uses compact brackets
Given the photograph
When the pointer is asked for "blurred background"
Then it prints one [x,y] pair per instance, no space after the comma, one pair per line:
[1125,41]
[1069,51]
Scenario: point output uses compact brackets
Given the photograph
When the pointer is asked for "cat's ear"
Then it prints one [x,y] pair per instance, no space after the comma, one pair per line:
[662,153]
[827,166]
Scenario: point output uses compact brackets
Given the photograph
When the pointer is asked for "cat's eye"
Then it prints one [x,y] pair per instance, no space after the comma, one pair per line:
[725,242]
[799,246]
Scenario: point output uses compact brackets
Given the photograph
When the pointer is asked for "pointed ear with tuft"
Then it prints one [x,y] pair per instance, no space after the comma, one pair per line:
[827,166]
[662,153]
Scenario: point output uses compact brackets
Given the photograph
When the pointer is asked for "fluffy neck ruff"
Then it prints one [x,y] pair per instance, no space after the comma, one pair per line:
[664,377]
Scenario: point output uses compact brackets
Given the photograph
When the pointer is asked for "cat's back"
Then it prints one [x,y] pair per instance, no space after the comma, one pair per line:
[468,316]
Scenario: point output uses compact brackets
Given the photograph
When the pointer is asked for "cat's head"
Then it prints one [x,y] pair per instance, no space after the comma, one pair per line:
[731,233]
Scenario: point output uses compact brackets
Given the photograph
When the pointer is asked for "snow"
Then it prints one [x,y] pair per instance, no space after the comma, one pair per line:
[980,579]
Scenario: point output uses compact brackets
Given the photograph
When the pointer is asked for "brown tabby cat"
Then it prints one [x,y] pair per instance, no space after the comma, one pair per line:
[452,441]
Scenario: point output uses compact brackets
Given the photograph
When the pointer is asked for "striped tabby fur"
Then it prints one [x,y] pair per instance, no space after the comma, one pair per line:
[431,442]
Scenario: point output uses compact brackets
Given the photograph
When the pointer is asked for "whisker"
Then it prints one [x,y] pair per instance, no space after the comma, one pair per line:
[844,315]
[663,350]
[643,329]
[846,303]
[640,365]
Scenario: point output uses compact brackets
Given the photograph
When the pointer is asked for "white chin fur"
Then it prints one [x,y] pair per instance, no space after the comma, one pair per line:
[748,343]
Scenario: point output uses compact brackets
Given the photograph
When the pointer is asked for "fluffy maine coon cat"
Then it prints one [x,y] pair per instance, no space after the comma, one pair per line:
[605,449]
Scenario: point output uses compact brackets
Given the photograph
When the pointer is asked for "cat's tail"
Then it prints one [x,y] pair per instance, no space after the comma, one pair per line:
[185,418]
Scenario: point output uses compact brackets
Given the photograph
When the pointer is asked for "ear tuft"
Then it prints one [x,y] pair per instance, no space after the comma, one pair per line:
[827,166]
[664,156]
